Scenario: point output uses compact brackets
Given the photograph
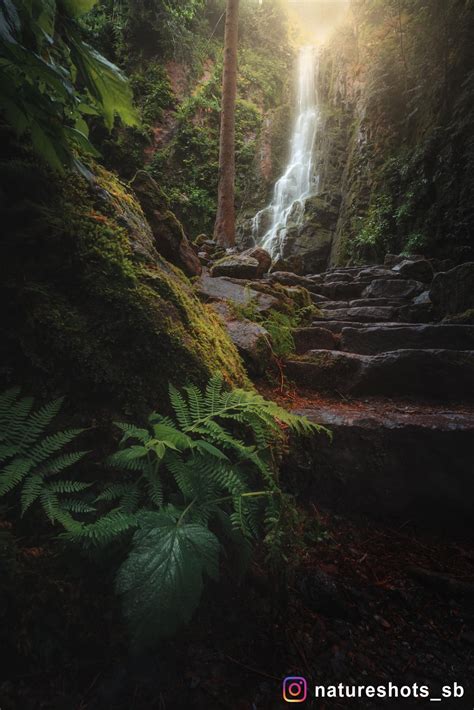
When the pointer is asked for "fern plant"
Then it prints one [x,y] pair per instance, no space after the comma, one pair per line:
[189,483]
[212,475]
[184,485]
[32,460]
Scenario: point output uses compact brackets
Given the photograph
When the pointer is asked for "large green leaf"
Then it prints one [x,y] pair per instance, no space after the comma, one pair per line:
[105,83]
[161,581]
[75,8]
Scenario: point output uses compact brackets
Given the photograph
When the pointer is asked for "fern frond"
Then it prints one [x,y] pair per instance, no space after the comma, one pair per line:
[51,444]
[114,491]
[38,421]
[180,408]
[14,473]
[67,486]
[75,505]
[132,432]
[52,467]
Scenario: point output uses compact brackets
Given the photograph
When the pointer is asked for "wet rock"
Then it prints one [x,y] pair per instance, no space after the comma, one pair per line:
[314,339]
[366,313]
[306,244]
[416,313]
[392,260]
[453,291]
[377,272]
[224,289]
[393,288]
[262,256]
[336,326]
[362,302]
[252,341]
[237,266]
[374,340]
[420,270]
[333,305]
[288,278]
[343,290]
[433,373]
[333,277]
[169,237]
[369,466]
[423,299]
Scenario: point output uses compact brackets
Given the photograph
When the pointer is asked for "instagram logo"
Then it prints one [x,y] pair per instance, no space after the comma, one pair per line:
[295,689]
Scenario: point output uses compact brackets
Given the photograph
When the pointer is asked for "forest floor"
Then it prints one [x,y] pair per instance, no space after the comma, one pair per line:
[399,607]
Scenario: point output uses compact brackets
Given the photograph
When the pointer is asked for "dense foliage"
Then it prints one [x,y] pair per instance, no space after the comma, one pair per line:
[208,475]
[51,80]
[176,80]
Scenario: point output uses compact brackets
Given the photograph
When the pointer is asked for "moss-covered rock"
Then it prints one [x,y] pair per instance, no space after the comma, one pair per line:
[88,306]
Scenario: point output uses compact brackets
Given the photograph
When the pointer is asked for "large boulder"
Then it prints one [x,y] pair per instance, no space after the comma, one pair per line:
[252,340]
[101,317]
[262,256]
[169,237]
[237,266]
[419,270]
[452,291]
[306,241]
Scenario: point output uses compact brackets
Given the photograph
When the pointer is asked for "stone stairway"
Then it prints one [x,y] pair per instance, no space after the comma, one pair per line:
[396,388]
[373,348]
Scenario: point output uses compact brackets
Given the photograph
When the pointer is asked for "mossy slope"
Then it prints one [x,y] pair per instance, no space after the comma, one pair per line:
[89,308]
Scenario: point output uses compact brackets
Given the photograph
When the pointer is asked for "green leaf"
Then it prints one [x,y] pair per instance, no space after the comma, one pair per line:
[105,83]
[81,141]
[161,581]
[75,8]
[206,448]
[45,147]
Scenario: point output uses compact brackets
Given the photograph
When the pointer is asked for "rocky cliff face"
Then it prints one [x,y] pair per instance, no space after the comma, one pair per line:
[395,147]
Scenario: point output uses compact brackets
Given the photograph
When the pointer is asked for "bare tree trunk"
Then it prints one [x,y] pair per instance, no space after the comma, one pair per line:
[224,228]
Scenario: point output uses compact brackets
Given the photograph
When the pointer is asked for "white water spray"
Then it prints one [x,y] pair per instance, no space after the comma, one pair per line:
[299,180]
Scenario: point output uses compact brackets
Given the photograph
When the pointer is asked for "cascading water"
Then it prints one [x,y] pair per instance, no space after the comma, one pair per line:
[299,180]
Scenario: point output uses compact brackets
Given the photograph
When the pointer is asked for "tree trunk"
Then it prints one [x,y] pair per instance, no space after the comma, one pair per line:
[224,228]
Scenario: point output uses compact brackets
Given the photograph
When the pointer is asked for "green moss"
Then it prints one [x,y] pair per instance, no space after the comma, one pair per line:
[93,312]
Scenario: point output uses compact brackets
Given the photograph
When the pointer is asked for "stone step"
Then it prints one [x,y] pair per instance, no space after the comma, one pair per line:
[314,339]
[393,288]
[343,290]
[373,340]
[367,314]
[362,302]
[441,374]
[395,460]
[336,326]
[334,305]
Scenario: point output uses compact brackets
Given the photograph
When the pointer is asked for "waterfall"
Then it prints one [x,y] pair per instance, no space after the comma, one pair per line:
[299,180]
